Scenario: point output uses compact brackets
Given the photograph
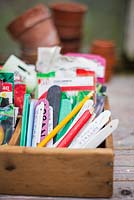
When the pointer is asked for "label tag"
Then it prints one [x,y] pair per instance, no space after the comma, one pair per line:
[96,139]
[31,122]
[44,129]
[37,124]
[88,104]
[65,109]
[90,128]
[54,97]
[50,126]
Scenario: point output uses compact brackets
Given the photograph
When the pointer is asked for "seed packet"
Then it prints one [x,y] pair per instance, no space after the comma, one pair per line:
[98,67]
[6,123]
[7,86]
[70,85]
[23,73]
[19,92]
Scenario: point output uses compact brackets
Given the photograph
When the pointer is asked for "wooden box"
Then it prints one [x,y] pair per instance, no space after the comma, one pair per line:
[57,172]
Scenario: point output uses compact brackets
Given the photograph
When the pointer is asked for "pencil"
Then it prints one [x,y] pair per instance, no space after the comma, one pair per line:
[64,121]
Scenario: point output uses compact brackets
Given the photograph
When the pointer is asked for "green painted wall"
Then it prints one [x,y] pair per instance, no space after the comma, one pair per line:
[105,19]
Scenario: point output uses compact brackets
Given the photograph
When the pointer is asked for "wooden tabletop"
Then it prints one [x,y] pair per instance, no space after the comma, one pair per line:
[121,98]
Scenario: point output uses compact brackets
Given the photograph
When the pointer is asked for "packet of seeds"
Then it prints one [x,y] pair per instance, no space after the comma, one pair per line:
[6,123]
[7,86]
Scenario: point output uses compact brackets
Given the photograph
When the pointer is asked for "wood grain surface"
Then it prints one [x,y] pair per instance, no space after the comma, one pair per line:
[56,172]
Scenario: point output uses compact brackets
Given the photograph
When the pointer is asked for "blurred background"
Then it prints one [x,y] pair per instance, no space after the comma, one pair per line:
[105,20]
[108,20]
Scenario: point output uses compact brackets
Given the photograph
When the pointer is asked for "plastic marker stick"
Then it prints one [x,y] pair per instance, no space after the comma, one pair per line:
[34,136]
[87,105]
[99,105]
[98,138]
[25,114]
[31,122]
[98,108]
[65,109]
[44,124]
[54,97]
[37,124]
[65,120]
[50,126]
[75,129]
[90,129]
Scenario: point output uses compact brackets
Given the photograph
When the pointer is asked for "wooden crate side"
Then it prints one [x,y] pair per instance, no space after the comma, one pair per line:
[109,140]
[56,172]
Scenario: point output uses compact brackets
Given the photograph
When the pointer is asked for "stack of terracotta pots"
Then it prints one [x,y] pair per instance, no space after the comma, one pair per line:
[68,18]
[105,48]
[33,29]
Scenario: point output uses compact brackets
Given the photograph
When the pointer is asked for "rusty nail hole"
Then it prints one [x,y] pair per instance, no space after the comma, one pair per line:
[126,192]
[110,164]
[10,167]
[88,173]
[109,183]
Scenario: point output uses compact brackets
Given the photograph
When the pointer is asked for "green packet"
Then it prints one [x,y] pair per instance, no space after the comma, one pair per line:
[6,123]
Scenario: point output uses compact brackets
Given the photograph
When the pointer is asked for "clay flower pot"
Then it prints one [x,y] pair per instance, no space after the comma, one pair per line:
[68,14]
[27,20]
[70,46]
[34,28]
[69,32]
[105,48]
[68,18]
[42,34]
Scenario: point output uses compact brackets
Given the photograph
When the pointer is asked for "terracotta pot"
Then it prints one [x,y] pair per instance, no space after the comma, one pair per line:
[68,14]
[108,75]
[69,32]
[70,46]
[34,28]
[106,49]
[28,19]
[43,34]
